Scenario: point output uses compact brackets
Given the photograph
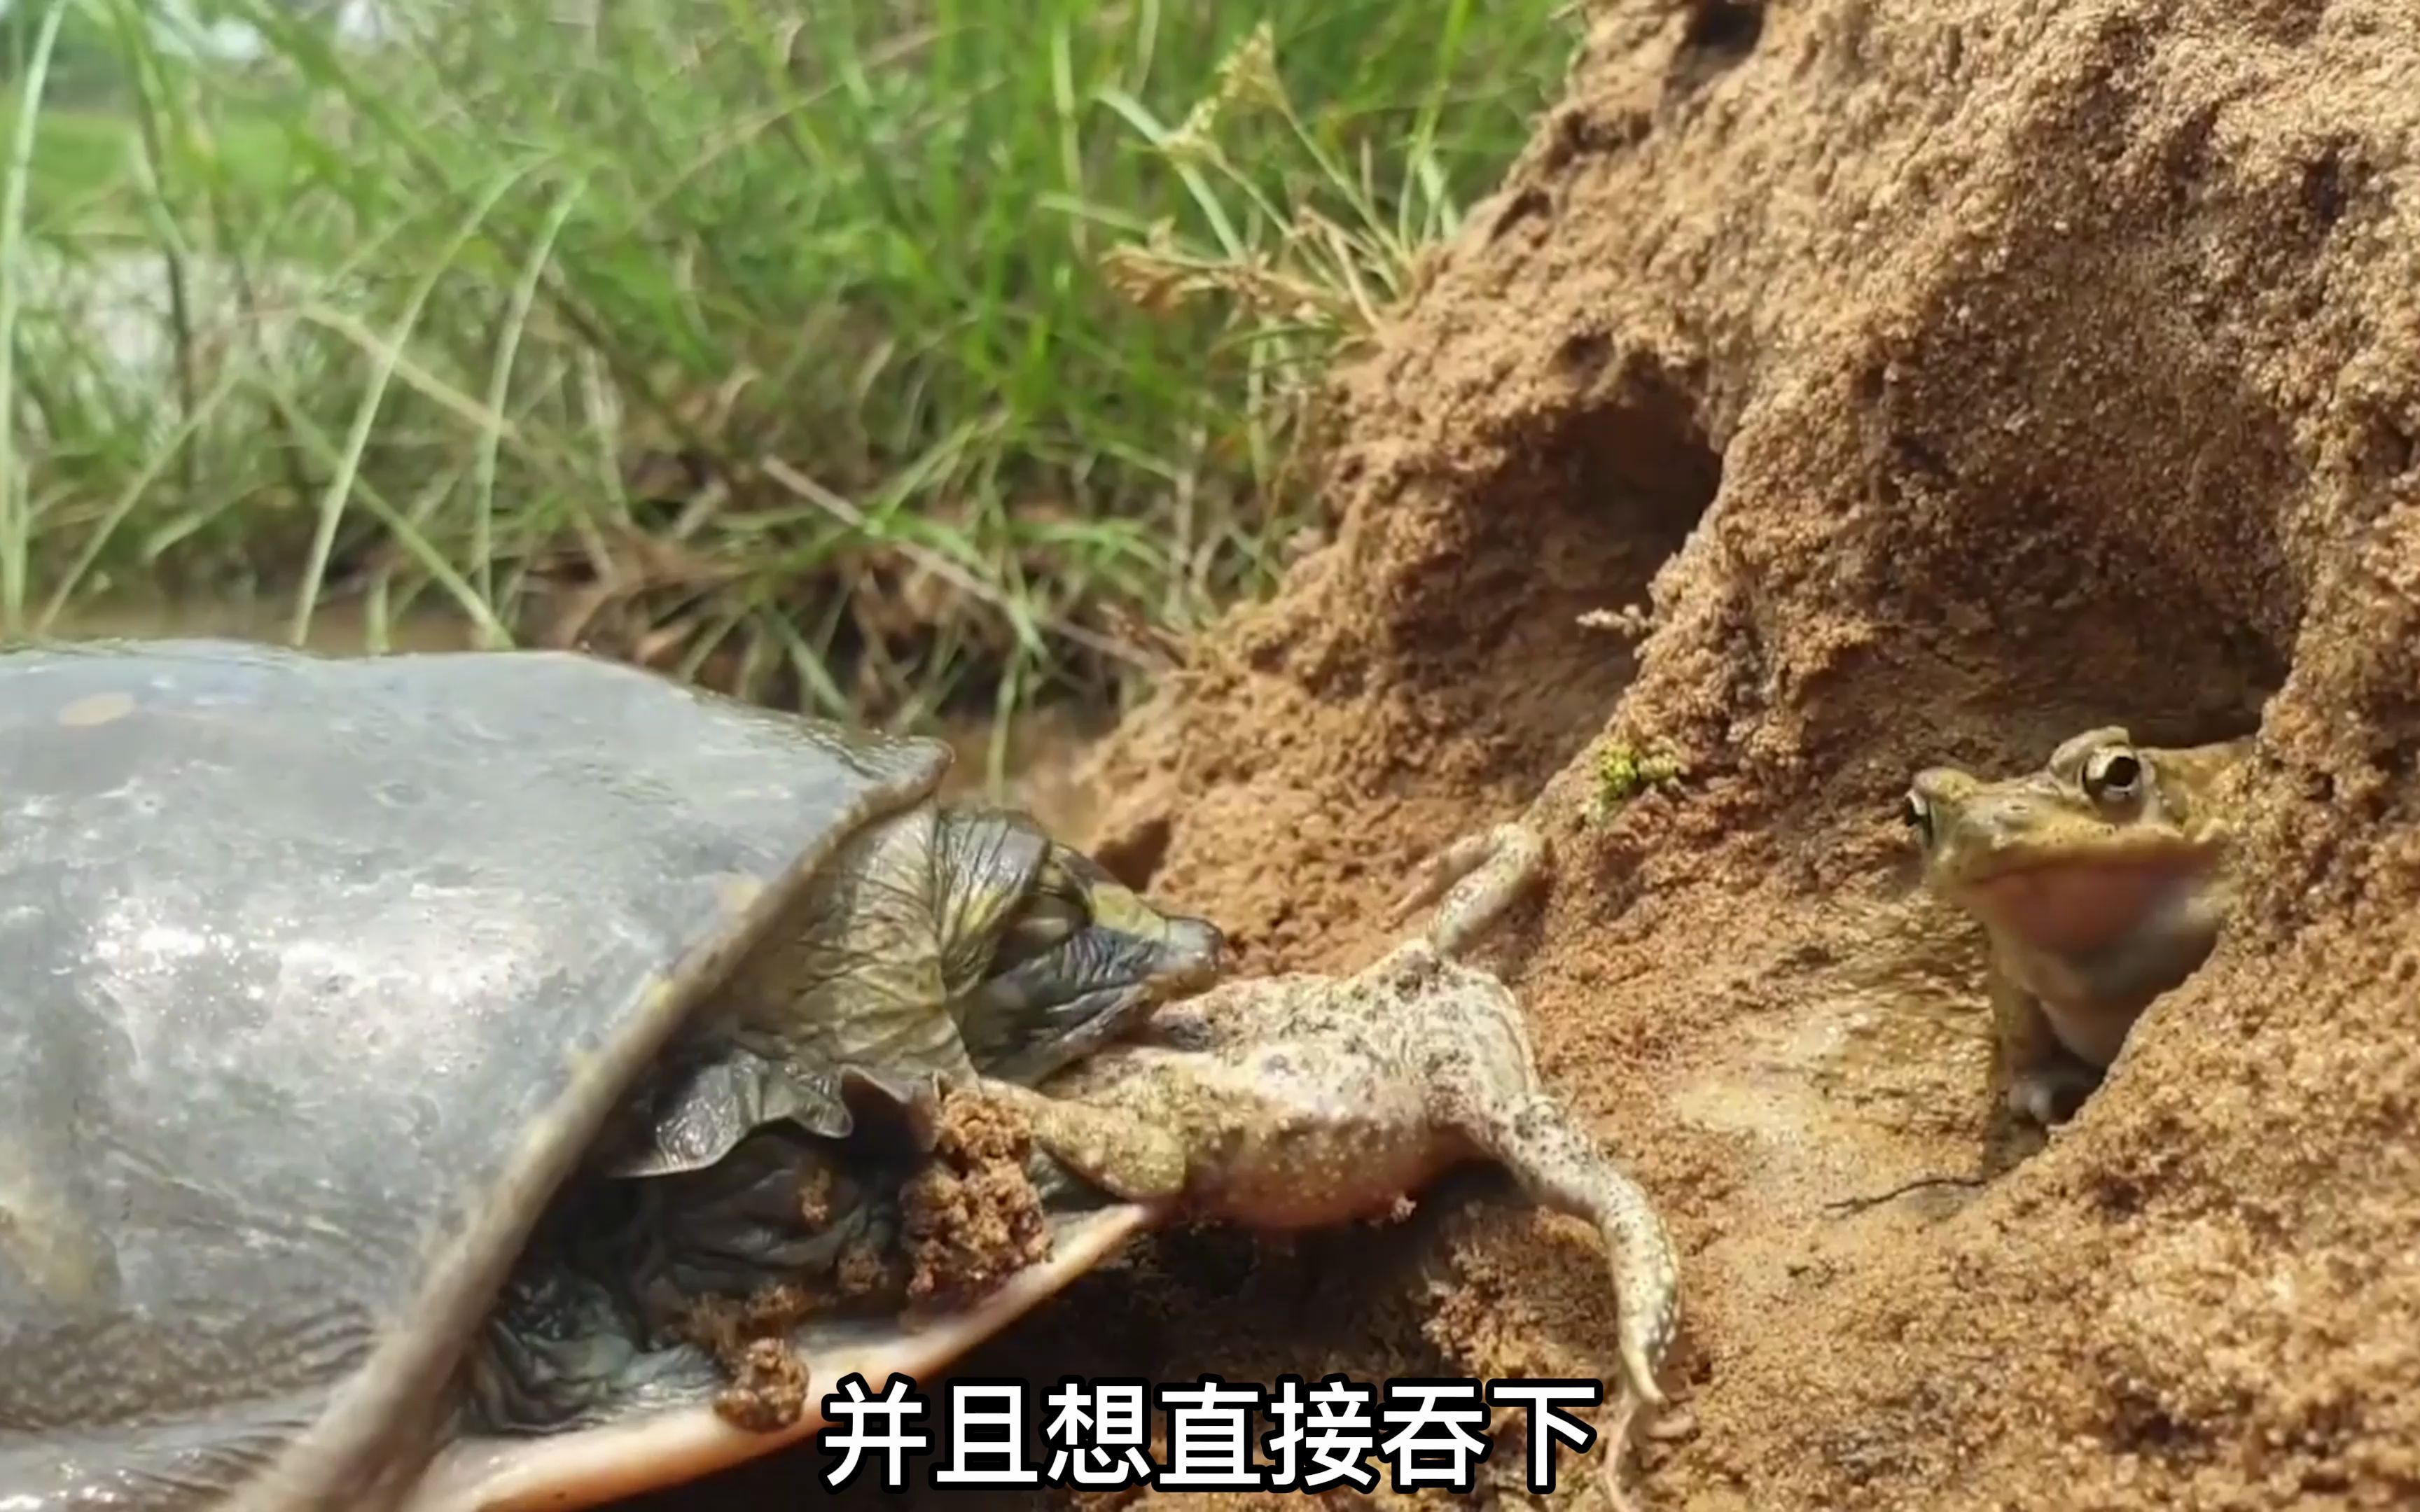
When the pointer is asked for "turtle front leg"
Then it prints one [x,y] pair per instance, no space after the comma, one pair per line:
[1115,1150]
[1479,876]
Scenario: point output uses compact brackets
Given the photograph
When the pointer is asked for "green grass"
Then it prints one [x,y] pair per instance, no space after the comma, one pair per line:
[866,356]
[79,152]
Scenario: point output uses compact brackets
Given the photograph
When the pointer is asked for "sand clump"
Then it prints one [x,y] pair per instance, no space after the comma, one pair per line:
[969,1214]
[1944,379]
[969,1218]
[770,1384]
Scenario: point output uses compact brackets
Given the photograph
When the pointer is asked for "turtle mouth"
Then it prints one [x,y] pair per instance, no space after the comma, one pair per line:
[1193,955]
[2081,907]
[1054,1009]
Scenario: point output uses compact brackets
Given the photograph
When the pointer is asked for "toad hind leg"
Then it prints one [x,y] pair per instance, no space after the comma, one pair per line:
[1555,1161]
[1479,876]
[1491,1094]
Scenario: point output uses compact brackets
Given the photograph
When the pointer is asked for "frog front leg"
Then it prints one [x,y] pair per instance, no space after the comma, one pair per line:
[1479,876]
[2044,1080]
[1115,1150]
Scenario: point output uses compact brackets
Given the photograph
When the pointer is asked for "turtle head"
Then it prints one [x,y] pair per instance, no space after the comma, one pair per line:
[1077,957]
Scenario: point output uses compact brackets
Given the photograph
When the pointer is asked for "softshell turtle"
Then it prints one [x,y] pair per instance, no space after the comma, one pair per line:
[332,977]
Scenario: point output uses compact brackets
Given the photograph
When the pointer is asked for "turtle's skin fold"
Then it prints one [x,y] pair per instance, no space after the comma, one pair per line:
[330,977]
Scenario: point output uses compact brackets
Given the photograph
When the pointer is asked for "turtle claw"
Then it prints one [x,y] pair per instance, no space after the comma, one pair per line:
[914,1100]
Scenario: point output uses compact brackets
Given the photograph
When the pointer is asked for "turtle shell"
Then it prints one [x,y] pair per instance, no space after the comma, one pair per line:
[325,973]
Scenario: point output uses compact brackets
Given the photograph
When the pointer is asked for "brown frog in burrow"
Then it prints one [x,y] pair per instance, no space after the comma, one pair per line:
[2100,883]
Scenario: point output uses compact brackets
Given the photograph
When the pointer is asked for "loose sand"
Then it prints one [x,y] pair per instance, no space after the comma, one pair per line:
[1945,376]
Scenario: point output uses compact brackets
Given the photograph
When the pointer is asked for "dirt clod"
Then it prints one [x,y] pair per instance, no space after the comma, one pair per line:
[750,1340]
[971,1215]
[970,1219]
[768,1390]
[816,1190]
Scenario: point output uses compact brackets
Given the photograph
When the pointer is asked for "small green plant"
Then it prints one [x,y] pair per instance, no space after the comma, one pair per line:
[1623,772]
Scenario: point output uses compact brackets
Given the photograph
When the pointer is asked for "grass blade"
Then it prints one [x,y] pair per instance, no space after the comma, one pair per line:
[16,506]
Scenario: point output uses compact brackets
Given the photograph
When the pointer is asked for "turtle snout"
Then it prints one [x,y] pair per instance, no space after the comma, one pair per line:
[1196,954]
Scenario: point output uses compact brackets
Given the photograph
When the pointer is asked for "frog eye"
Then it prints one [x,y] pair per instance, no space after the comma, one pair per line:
[1917,814]
[2113,774]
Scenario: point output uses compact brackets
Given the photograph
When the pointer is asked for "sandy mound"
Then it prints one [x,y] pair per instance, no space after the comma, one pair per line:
[1949,376]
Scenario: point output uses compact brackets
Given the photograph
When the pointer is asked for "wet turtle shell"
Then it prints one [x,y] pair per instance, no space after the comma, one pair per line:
[328,975]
